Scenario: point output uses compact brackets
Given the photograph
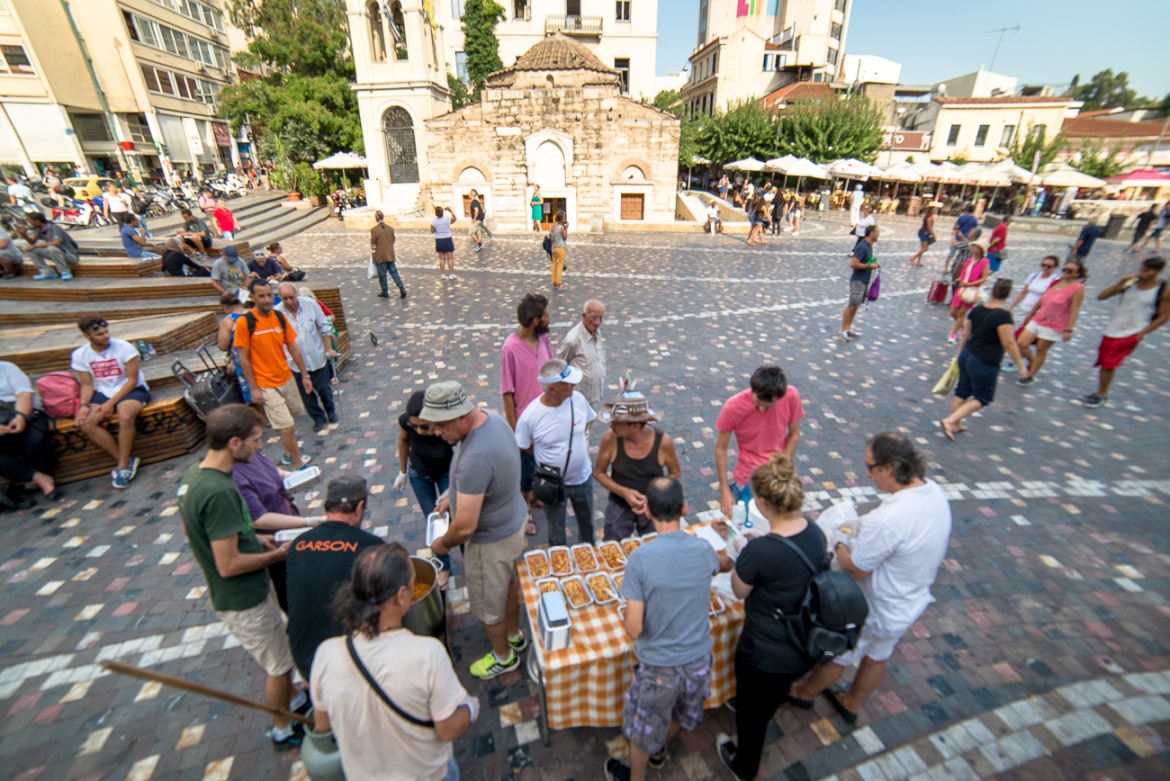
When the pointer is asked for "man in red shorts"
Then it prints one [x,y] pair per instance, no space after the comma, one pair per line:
[1144,308]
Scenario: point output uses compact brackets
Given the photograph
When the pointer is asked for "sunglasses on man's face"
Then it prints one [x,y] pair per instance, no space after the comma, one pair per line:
[99,325]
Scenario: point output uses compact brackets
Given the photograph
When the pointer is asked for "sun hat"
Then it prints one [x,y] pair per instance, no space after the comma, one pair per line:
[570,374]
[445,401]
[630,407]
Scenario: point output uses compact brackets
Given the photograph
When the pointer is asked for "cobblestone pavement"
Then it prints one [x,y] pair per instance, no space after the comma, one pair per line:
[1044,657]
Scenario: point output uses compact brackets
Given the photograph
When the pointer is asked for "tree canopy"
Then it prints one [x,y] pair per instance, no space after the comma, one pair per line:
[1107,90]
[1095,160]
[479,41]
[1023,152]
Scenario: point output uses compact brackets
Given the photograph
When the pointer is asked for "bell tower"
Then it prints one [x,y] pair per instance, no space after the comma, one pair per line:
[401,82]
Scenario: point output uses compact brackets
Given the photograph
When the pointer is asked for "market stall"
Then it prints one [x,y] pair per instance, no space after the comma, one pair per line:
[584,685]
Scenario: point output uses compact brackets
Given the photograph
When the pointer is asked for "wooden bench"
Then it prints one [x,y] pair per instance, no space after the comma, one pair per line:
[90,267]
[25,313]
[146,289]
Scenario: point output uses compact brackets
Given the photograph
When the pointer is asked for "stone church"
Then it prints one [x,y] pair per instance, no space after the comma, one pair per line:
[555,118]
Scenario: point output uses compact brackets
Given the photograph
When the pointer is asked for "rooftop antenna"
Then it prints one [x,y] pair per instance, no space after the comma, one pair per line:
[1001,31]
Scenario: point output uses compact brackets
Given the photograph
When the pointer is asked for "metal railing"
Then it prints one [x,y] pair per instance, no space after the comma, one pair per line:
[573,25]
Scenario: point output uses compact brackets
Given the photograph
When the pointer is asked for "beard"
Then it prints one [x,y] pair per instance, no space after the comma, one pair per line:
[541,329]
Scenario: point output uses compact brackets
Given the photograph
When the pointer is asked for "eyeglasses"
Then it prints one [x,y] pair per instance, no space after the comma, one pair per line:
[870,466]
[99,325]
[1047,265]
[422,428]
[1068,271]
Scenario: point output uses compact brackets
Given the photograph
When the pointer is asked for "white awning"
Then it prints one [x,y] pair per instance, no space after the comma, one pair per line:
[43,131]
[9,147]
[175,138]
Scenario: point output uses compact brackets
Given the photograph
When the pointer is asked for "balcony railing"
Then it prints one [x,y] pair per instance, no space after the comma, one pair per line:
[573,25]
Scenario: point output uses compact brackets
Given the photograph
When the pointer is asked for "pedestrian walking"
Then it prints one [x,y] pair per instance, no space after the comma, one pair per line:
[796,213]
[758,213]
[315,340]
[855,202]
[863,263]
[1140,226]
[478,214]
[778,207]
[584,348]
[537,205]
[382,253]
[1035,285]
[972,274]
[1053,318]
[523,353]
[1159,227]
[552,428]
[997,244]
[961,232]
[926,237]
[1085,241]
[444,241]
[864,220]
[895,558]
[424,460]
[1143,309]
[988,332]
[765,419]
[487,517]
[115,205]
[631,454]
[234,562]
[772,579]
[559,234]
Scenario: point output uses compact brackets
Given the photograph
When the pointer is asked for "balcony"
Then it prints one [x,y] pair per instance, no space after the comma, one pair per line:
[573,25]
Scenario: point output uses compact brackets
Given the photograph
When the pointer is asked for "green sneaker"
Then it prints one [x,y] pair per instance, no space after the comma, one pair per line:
[518,643]
[488,667]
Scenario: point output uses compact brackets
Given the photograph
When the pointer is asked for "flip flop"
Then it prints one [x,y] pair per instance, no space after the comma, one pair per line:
[946,431]
[849,716]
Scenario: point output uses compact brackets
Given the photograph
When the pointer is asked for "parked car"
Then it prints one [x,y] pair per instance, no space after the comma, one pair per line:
[86,187]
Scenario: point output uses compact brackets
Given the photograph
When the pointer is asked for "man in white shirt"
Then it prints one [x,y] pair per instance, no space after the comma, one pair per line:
[548,425]
[111,382]
[582,347]
[895,558]
[315,338]
[714,221]
[19,193]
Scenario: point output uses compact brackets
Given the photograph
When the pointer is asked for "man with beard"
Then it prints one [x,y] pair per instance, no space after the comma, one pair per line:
[521,357]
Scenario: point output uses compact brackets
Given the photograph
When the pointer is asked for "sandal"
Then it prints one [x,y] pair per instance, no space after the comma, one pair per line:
[946,431]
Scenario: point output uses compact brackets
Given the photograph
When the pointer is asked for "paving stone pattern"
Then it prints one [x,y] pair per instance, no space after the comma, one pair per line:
[1041,658]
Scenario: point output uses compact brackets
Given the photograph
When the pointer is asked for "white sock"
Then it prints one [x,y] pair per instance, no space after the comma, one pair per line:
[506,659]
[280,733]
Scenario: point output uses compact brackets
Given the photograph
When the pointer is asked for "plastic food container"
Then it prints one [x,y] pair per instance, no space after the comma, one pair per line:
[302,477]
[576,592]
[612,555]
[560,561]
[537,561]
[717,605]
[547,585]
[437,526]
[284,535]
[602,588]
[585,558]
[631,544]
[647,537]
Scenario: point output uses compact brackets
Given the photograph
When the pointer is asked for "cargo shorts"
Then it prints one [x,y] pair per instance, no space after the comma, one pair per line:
[659,694]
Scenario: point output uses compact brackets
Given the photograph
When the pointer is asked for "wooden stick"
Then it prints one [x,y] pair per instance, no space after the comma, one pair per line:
[197,688]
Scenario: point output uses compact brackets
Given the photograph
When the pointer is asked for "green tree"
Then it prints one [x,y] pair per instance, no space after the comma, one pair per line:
[746,130]
[669,100]
[479,41]
[1095,160]
[688,143]
[829,130]
[460,93]
[1034,140]
[1107,90]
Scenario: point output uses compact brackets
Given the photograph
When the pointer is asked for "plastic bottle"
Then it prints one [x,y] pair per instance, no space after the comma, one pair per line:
[150,353]
[739,516]
[142,353]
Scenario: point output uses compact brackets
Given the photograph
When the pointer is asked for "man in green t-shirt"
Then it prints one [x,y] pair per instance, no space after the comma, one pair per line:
[234,561]
[195,233]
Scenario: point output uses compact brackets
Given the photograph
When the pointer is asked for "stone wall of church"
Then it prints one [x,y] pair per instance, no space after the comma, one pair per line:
[609,134]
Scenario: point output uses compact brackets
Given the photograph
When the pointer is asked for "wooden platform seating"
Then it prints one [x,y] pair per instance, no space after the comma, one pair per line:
[91,267]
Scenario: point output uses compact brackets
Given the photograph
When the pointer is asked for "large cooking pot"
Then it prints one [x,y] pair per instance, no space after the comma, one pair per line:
[320,755]
[427,616]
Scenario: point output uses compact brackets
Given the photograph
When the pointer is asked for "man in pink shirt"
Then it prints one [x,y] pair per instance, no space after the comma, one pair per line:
[765,420]
[524,352]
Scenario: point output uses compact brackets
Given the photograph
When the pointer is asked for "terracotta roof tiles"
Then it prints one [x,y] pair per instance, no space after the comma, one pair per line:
[559,53]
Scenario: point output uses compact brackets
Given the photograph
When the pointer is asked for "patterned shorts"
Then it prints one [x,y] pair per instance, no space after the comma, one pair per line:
[658,694]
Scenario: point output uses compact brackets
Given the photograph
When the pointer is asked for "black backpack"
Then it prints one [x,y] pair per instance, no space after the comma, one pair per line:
[250,319]
[832,612]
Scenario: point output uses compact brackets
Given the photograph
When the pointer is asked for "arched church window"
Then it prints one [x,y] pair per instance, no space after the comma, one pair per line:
[401,151]
[377,31]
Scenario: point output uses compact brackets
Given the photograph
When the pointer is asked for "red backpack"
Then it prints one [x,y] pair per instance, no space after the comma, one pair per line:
[60,393]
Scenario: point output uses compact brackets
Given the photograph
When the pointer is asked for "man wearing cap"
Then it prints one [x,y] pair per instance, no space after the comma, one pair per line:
[521,357]
[765,419]
[632,453]
[319,561]
[229,273]
[487,515]
[583,348]
[554,431]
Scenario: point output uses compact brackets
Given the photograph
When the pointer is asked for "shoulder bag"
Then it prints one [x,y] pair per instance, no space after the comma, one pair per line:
[378,689]
[548,482]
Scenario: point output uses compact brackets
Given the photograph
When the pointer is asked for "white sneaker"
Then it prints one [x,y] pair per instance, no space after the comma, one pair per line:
[952,339]
[795,233]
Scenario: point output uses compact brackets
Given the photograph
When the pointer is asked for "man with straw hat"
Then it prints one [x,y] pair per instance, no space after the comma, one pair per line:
[631,454]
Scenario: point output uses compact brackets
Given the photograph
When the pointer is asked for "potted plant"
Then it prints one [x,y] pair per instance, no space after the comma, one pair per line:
[310,184]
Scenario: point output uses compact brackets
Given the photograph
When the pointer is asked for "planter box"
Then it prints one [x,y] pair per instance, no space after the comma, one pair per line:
[294,197]
[317,200]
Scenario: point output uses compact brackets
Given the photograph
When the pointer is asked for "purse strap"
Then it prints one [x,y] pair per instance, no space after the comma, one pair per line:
[378,689]
[572,425]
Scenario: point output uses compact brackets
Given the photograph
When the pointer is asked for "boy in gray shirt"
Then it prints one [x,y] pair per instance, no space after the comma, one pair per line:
[668,590]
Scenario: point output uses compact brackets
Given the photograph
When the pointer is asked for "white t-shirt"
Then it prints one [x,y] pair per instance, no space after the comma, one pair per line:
[376,744]
[546,430]
[14,381]
[863,222]
[712,212]
[442,226]
[108,368]
[1036,284]
[1135,311]
[901,544]
[116,202]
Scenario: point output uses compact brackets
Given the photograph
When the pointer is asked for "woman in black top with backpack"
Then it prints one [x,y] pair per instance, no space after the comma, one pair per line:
[425,460]
[770,575]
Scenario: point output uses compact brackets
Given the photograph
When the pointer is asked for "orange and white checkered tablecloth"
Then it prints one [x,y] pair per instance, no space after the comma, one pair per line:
[585,684]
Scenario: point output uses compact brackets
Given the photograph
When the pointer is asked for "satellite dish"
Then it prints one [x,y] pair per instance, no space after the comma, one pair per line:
[942,89]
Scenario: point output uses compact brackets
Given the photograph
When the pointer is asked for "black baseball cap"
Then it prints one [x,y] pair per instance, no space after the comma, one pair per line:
[345,493]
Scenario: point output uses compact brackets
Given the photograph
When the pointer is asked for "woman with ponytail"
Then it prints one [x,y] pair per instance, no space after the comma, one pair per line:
[771,577]
[414,673]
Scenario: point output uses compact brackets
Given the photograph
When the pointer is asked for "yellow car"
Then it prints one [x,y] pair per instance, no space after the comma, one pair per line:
[85,187]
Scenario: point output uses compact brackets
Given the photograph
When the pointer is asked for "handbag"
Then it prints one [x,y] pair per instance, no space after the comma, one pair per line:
[548,482]
[547,245]
[969,295]
[378,689]
[8,412]
[947,382]
[371,269]
[875,286]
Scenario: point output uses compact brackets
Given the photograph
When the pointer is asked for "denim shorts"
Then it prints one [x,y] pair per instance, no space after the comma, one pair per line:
[976,378]
[659,694]
[140,394]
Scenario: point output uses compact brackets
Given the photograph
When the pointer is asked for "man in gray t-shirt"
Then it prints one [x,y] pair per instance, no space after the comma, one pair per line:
[668,591]
[229,273]
[487,516]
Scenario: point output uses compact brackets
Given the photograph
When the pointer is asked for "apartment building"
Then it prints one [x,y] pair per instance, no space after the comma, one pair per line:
[623,34]
[104,85]
[747,49]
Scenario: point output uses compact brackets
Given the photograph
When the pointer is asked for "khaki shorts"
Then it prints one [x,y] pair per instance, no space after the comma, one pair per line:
[280,404]
[490,568]
[262,633]
[1043,332]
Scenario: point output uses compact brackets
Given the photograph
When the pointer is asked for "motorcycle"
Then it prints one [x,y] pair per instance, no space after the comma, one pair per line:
[77,213]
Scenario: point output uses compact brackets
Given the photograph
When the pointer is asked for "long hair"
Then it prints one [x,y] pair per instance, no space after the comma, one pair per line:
[378,574]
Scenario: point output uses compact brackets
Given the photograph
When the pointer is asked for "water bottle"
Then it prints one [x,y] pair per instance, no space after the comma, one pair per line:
[142,350]
[739,516]
[150,353]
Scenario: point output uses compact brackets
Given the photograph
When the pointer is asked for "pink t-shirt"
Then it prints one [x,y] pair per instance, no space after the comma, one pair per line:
[758,434]
[520,369]
[1056,307]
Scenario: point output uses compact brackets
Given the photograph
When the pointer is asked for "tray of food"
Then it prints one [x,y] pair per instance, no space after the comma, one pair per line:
[618,577]
[612,555]
[648,537]
[584,558]
[545,585]
[602,588]
[537,561]
[630,544]
[717,605]
[575,591]
[560,561]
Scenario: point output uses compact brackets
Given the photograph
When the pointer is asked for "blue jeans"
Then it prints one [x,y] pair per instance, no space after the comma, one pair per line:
[392,268]
[527,467]
[452,771]
[427,492]
[741,493]
[554,514]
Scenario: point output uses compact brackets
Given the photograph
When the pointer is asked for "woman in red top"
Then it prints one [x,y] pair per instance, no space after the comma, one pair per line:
[973,273]
[995,247]
[1053,318]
